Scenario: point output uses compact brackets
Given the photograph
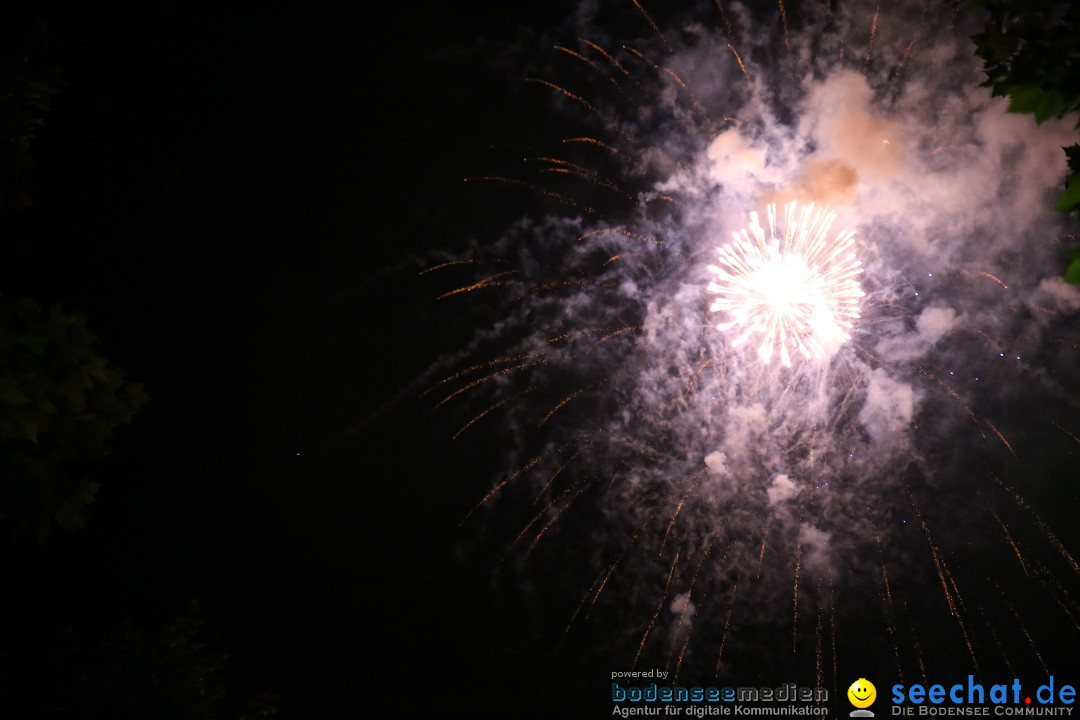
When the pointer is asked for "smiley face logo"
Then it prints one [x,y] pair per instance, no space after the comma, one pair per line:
[862,693]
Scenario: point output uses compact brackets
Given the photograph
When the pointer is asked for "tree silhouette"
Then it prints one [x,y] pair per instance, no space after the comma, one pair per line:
[1031,54]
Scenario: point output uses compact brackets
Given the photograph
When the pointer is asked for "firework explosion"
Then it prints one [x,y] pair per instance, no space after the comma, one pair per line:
[896,496]
[797,289]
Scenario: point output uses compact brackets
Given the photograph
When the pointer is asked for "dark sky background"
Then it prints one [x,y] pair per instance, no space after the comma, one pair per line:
[224,194]
[234,199]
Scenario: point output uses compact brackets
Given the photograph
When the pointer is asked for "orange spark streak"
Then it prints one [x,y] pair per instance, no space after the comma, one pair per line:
[652,24]
[610,58]
[448,263]
[474,368]
[621,230]
[1009,539]
[995,278]
[873,34]
[675,78]
[783,18]
[485,378]
[764,538]
[491,280]
[795,596]
[563,402]
[593,141]
[618,332]
[558,197]
[656,614]
[514,476]
[613,258]
[556,516]
[1066,432]
[1002,438]
[727,23]
[738,59]
[495,406]
[678,509]
[1050,536]
[727,623]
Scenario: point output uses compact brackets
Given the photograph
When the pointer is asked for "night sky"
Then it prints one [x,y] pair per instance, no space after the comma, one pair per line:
[240,202]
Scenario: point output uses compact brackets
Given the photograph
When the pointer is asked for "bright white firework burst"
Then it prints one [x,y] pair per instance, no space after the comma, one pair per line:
[796,289]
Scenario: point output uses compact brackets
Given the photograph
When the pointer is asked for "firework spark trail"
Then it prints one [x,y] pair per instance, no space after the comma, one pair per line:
[501,372]
[1076,439]
[1044,574]
[951,393]
[995,278]
[951,596]
[490,281]
[997,640]
[783,18]
[1040,576]
[602,580]
[554,476]
[578,56]
[1023,628]
[690,386]
[898,73]
[570,495]
[727,622]
[562,403]
[568,492]
[832,632]
[491,408]
[595,142]
[694,483]
[917,646]
[1003,440]
[608,56]
[819,651]
[686,608]
[659,608]
[652,24]
[764,540]
[621,230]
[738,59]
[473,368]
[795,596]
[620,256]
[594,591]
[524,469]
[870,44]
[587,175]
[887,602]
[1008,537]
[618,332]
[674,77]
[608,122]
[1047,532]
[551,194]
[582,332]
[446,264]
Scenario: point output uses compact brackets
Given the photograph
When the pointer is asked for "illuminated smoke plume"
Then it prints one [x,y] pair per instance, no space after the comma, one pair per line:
[900,498]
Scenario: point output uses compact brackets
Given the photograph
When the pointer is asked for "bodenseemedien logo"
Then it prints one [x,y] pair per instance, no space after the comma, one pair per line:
[862,694]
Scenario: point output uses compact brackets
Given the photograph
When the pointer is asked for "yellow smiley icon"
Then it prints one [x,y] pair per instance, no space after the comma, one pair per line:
[862,693]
